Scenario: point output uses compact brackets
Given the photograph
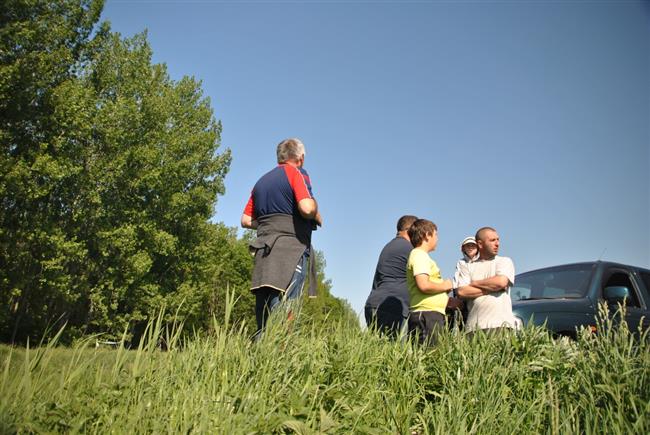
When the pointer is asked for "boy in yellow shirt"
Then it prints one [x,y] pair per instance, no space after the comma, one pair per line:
[427,289]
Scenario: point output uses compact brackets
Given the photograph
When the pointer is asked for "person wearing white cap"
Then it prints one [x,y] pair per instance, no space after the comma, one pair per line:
[469,248]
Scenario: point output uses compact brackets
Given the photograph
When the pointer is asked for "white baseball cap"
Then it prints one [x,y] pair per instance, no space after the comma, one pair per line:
[467,240]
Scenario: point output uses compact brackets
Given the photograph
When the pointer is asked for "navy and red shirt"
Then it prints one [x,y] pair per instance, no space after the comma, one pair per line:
[279,191]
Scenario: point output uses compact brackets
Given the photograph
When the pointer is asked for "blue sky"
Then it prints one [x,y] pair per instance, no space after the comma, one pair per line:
[532,117]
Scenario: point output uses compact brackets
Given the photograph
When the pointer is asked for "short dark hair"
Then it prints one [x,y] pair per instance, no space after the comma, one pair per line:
[477,237]
[419,230]
[405,222]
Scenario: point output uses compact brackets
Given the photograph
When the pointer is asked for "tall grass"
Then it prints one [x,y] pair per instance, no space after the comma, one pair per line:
[300,379]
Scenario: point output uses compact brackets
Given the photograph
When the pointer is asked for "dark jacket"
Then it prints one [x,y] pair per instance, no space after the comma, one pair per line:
[281,241]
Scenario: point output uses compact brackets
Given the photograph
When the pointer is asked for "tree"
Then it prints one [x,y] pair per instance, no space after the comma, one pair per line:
[325,310]
[40,42]
[109,176]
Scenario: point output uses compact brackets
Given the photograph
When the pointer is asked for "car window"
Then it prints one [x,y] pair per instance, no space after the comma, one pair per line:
[520,291]
[622,279]
[553,283]
[645,277]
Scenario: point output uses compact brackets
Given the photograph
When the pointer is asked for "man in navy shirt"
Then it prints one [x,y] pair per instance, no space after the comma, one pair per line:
[284,212]
[387,305]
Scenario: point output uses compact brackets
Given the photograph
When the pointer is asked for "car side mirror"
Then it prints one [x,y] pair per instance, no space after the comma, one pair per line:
[616,294]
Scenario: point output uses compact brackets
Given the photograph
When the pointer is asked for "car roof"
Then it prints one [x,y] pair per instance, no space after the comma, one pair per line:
[590,263]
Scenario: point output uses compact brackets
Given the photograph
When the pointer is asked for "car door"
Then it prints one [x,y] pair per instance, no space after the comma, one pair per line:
[643,280]
[636,309]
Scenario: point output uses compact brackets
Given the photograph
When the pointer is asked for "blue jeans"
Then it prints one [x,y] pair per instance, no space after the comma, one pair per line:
[268,299]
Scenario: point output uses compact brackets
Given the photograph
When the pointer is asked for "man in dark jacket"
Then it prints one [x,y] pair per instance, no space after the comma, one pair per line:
[387,305]
[284,212]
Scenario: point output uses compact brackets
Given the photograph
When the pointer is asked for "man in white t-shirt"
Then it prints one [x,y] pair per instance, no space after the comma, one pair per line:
[486,283]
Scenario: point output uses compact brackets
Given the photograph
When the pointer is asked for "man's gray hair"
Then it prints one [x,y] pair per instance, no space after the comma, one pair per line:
[290,149]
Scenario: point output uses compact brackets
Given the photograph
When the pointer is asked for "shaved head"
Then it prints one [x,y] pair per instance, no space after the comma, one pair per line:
[481,232]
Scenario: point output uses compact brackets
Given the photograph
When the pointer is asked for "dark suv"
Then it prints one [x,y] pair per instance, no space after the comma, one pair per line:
[566,297]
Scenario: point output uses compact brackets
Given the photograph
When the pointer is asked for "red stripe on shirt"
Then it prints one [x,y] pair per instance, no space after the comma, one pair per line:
[297,182]
[249,210]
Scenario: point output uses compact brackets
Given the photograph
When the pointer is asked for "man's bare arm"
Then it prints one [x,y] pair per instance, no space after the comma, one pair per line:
[470,292]
[308,208]
[248,222]
[428,287]
[494,284]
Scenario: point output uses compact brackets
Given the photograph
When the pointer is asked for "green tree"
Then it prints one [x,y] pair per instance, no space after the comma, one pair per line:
[110,173]
[158,179]
[326,310]
[40,44]
[230,266]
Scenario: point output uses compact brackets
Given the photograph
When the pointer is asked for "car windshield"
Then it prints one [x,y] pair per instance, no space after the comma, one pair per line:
[553,283]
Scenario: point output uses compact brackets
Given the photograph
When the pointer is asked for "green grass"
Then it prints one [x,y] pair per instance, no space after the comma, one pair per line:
[301,379]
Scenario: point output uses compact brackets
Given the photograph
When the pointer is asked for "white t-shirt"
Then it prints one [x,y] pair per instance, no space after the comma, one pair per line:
[493,310]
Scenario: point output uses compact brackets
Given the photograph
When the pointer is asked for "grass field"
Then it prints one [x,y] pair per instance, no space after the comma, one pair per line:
[299,379]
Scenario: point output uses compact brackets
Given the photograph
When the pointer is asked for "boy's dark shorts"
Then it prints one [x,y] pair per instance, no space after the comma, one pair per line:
[426,325]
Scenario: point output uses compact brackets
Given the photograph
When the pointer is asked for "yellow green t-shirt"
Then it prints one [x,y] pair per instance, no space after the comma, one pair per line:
[420,263]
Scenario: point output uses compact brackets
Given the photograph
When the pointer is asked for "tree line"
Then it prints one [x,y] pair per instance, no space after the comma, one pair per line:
[110,173]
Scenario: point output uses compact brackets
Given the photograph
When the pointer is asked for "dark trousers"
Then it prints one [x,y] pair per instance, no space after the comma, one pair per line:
[425,326]
[268,299]
[387,321]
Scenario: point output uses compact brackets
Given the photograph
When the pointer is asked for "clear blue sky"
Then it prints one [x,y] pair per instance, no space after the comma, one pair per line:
[531,117]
